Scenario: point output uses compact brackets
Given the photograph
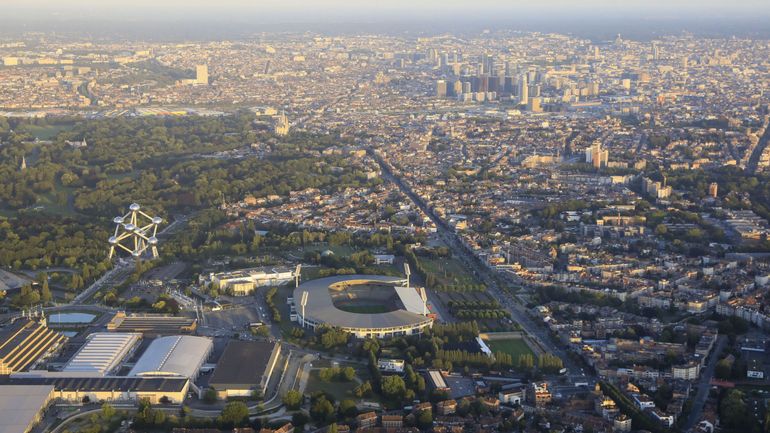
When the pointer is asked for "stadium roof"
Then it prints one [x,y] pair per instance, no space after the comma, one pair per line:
[176,355]
[411,299]
[102,352]
[320,307]
[20,404]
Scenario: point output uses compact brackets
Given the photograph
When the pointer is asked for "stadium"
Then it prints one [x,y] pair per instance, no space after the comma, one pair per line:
[364,305]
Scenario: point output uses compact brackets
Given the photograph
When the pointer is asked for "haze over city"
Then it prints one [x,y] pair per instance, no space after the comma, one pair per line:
[395,216]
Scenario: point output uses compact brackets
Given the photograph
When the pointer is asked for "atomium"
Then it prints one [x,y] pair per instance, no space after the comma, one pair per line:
[135,233]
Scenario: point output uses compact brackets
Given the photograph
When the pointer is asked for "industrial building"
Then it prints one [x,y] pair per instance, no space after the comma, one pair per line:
[102,353]
[24,342]
[436,381]
[232,379]
[244,281]
[120,389]
[174,356]
[152,324]
[22,406]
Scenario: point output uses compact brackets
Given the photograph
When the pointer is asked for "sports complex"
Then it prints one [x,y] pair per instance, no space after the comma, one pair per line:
[364,305]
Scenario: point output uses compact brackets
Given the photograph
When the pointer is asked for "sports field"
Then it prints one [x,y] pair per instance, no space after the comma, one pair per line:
[511,346]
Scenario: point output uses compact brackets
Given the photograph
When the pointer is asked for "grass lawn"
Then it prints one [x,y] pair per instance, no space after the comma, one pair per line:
[448,271]
[512,346]
[338,390]
[47,132]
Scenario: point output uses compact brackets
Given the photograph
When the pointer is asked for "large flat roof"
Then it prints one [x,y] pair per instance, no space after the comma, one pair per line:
[320,307]
[242,364]
[20,404]
[102,352]
[109,383]
[177,355]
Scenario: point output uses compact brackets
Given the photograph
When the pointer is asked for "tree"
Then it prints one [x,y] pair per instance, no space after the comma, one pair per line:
[293,399]
[348,408]
[299,419]
[210,396]
[107,412]
[45,291]
[347,374]
[723,369]
[322,410]
[393,387]
[363,390]
[235,413]
[425,419]
[734,412]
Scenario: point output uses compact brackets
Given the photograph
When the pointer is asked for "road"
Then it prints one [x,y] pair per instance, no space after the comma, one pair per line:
[113,277]
[488,276]
[756,154]
[703,384]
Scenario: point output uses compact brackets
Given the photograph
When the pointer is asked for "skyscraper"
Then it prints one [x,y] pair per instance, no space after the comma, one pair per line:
[523,90]
[441,88]
[487,64]
[202,74]
[534,105]
[597,156]
[457,88]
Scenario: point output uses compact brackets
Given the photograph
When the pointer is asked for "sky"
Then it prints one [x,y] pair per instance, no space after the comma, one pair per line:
[302,10]
[211,17]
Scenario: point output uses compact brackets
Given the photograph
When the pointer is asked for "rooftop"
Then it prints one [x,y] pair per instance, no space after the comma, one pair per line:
[20,404]
[230,371]
[177,355]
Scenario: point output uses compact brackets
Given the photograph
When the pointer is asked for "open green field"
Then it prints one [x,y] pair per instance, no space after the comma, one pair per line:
[511,346]
[46,132]
[448,271]
[338,390]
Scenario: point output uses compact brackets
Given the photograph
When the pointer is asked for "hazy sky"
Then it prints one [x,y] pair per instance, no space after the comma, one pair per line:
[302,10]
[212,19]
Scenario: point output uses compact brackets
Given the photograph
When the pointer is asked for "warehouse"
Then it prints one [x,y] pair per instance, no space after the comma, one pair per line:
[152,324]
[119,389]
[102,353]
[24,342]
[22,406]
[231,379]
[174,356]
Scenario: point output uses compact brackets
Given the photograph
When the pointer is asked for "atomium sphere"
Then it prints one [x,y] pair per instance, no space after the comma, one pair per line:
[113,240]
[130,227]
[118,220]
[157,220]
[153,240]
[136,253]
[134,206]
